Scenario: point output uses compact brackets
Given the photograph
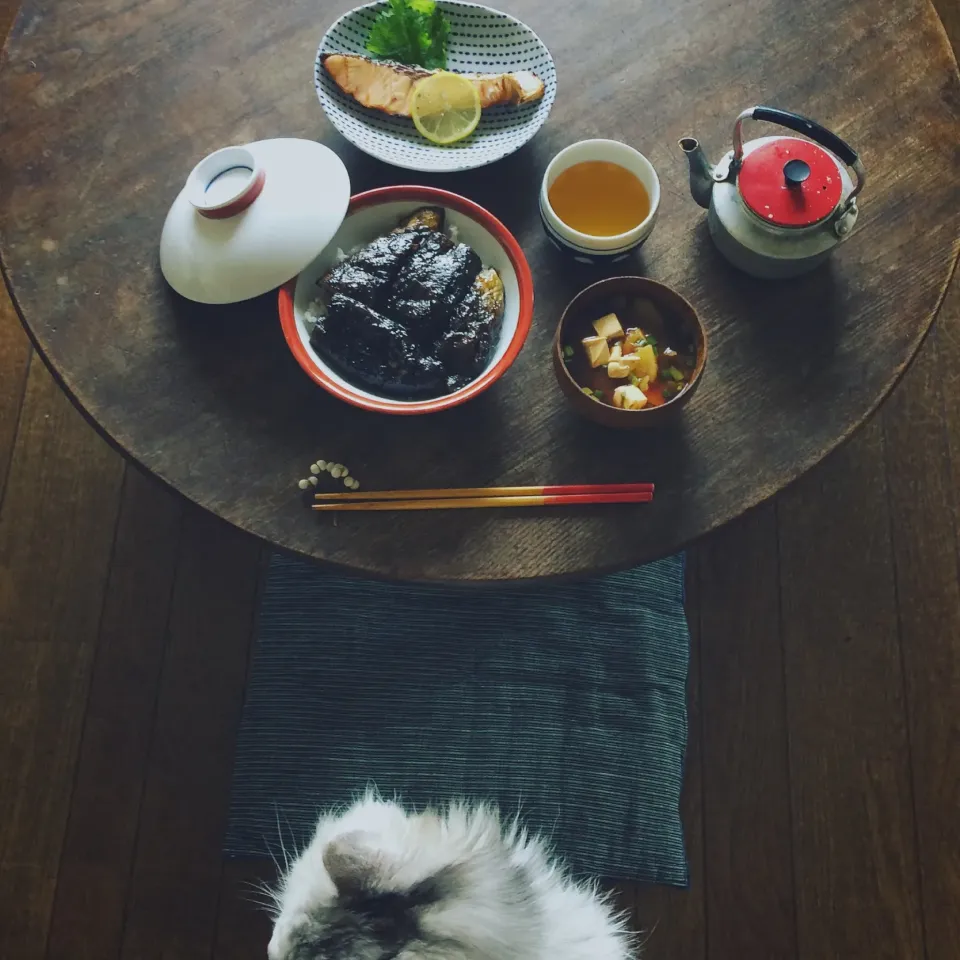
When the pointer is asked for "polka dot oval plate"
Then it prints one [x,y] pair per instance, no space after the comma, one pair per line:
[481,41]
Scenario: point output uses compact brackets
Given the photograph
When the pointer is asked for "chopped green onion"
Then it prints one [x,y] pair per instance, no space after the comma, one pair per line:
[587,391]
[651,340]
[568,351]
[598,394]
[634,379]
[674,373]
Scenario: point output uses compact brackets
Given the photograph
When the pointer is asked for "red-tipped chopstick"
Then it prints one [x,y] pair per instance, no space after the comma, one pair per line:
[466,503]
[456,493]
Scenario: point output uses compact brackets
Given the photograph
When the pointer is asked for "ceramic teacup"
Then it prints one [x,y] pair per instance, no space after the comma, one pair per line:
[583,246]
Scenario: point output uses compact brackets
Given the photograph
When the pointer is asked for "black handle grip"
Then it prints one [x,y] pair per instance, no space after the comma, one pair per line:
[811,129]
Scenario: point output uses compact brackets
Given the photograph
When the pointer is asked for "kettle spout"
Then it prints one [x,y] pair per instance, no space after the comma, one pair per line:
[701,173]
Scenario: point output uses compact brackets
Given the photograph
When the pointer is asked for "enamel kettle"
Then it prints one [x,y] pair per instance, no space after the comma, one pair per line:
[778,205]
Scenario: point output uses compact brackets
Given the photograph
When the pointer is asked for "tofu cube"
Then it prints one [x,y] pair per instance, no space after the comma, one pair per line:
[618,370]
[629,397]
[616,352]
[598,353]
[608,326]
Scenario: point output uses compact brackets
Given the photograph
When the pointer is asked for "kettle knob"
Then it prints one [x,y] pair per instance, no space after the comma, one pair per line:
[795,172]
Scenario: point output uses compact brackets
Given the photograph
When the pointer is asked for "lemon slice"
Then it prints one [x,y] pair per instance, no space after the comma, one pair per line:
[445,107]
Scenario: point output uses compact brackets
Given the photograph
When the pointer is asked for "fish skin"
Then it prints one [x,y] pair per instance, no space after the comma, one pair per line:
[428,218]
[490,290]
[388,87]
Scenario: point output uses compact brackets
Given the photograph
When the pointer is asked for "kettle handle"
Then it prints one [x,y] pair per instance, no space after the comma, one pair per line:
[811,129]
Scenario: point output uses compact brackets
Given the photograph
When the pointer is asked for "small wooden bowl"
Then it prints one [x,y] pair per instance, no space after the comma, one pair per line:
[576,323]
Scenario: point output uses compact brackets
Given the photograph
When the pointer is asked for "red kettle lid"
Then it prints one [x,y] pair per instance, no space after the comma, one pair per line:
[790,182]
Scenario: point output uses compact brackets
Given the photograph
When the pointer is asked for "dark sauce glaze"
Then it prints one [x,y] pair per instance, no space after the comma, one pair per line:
[406,315]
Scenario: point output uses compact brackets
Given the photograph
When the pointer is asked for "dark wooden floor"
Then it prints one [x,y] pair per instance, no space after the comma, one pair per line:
[822,800]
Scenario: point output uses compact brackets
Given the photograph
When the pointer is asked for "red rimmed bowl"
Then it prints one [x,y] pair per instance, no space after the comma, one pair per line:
[378,211]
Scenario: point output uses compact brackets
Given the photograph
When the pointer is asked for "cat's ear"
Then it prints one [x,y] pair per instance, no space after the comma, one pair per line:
[353,862]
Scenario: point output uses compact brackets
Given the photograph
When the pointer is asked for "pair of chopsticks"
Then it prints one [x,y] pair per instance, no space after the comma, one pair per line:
[477,497]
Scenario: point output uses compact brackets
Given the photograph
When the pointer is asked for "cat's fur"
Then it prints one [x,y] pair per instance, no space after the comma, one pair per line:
[379,883]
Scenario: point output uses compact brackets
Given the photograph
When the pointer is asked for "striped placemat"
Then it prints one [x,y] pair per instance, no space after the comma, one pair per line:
[565,704]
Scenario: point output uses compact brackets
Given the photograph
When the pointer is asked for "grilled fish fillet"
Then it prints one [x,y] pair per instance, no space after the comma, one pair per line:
[386,86]
[490,291]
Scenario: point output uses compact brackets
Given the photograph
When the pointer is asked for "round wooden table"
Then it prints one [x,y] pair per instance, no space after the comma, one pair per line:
[105,106]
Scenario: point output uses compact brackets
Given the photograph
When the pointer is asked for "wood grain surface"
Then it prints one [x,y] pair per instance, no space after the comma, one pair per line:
[924,492]
[846,714]
[861,733]
[56,539]
[100,843]
[175,888]
[105,106]
[750,895]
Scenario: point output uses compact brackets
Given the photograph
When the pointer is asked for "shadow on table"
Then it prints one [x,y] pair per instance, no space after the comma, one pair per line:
[508,188]
[233,344]
[779,317]
[249,375]
[780,343]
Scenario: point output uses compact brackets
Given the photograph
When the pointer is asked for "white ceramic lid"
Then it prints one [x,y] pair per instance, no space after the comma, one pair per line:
[251,218]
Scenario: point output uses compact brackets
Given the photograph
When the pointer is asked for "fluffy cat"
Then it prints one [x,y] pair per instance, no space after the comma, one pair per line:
[380,883]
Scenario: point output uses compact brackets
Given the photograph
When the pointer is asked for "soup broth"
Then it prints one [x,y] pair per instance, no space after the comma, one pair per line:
[599,198]
[644,325]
